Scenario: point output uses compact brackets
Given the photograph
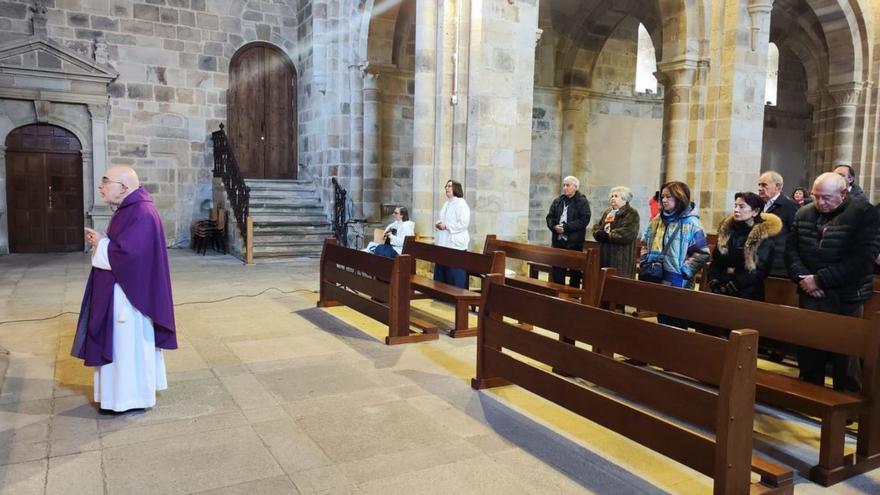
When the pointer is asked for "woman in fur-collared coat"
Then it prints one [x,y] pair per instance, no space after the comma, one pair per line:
[617,231]
[744,254]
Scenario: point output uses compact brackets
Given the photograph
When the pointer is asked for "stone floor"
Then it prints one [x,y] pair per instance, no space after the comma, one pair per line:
[268,394]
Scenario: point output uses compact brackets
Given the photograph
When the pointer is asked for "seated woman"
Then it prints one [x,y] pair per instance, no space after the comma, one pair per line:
[743,255]
[617,231]
[397,231]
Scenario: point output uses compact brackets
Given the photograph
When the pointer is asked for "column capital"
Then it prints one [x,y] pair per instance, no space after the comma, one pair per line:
[99,112]
[677,72]
[845,94]
[759,15]
[371,80]
[538,33]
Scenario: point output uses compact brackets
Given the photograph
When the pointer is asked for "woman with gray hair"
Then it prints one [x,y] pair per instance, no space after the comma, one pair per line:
[617,231]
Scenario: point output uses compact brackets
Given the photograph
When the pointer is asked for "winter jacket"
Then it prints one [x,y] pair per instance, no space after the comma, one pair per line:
[743,256]
[785,208]
[838,247]
[577,219]
[688,252]
[618,251]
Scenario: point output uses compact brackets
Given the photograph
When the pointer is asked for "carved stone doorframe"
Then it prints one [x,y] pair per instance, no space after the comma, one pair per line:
[43,83]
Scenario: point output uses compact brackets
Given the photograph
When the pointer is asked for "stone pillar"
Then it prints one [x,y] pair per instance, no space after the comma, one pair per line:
[4,207]
[574,136]
[499,128]
[372,166]
[677,78]
[99,212]
[426,176]
[89,188]
[845,98]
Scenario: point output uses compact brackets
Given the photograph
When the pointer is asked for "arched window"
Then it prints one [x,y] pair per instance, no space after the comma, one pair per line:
[646,63]
[772,74]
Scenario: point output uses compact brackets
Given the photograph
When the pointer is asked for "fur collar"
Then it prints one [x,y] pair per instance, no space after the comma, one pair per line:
[770,227]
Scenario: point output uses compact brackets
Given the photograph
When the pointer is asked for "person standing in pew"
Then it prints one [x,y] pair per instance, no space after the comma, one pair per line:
[830,253]
[674,245]
[770,191]
[616,232]
[452,232]
[567,220]
[745,251]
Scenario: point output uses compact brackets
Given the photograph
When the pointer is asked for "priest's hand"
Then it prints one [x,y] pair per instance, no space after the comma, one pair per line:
[93,237]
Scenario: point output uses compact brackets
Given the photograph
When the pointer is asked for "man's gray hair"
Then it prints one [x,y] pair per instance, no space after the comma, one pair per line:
[624,192]
[776,177]
[574,180]
[837,180]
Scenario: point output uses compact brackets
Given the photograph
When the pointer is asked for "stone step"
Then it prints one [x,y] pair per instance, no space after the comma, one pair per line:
[273,197]
[270,208]
[279,186]
[274,219]
[291,238]
[288,250]
[286,229]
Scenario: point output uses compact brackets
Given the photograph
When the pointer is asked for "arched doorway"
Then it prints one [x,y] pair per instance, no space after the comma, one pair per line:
[262,112]
[44,190]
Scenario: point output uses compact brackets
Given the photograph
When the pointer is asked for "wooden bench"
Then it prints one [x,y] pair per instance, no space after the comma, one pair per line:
[730,365]
[586,262]
[376,286]
[856,337]
[475,264]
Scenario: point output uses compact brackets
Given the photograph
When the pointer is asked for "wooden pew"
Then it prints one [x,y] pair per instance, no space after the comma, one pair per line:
[480,265]
[833,333]
[730,365]
[376,286]
[586,262]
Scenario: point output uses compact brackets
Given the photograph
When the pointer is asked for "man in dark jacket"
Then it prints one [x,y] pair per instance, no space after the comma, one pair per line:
[852,189]
[567,220]
[770,190]
[830,252]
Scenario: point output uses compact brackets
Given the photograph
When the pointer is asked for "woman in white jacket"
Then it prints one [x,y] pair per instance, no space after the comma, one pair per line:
[452,232]
[396,231]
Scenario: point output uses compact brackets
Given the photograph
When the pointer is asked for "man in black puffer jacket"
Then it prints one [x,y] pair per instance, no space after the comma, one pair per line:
[567,220]
[830,253]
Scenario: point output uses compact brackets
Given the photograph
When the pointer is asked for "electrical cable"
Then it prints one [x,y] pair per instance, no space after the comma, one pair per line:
[187,303]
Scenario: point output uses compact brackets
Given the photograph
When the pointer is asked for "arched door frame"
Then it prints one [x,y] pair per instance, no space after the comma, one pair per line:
[288,61]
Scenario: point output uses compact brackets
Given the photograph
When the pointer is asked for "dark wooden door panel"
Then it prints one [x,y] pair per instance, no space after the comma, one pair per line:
[65,205]
[246,117]
[44,190]
[262,112]
[26,195]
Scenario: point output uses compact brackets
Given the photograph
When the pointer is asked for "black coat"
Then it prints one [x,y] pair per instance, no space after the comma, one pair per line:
[744,256]
[838,247]
[784,208]
[578,217]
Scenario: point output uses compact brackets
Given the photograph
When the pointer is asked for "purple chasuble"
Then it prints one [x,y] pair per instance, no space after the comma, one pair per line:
[139,262]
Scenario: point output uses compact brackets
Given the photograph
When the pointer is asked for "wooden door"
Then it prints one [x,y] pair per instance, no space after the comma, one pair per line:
[262,112]
[44,190]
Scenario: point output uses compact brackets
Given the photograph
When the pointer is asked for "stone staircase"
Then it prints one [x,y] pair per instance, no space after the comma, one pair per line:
[289,219]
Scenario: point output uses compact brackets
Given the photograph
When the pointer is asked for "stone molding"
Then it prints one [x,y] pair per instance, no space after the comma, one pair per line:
[677,73]
[845,94]
[587,93]
[77,68]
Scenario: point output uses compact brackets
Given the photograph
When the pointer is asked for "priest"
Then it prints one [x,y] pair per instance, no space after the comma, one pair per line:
[127,314]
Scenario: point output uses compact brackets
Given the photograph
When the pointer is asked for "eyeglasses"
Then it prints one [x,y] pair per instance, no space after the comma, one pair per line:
[105,181]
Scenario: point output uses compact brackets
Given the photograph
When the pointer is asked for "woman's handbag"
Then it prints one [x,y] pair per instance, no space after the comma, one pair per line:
[652,271]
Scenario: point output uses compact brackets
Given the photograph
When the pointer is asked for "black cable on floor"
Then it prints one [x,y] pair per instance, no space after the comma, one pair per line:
[187,303]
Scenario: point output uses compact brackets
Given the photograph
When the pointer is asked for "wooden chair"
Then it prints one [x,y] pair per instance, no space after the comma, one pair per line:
[729,365]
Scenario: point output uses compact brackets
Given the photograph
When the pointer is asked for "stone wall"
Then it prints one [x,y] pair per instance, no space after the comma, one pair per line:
[172,57]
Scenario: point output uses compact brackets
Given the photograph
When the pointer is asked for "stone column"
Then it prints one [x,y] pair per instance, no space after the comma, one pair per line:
[677,78]
[99,212]
[89,187]
[425,172]
[845,98]
[4,207]
[574,136]
[372,166]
